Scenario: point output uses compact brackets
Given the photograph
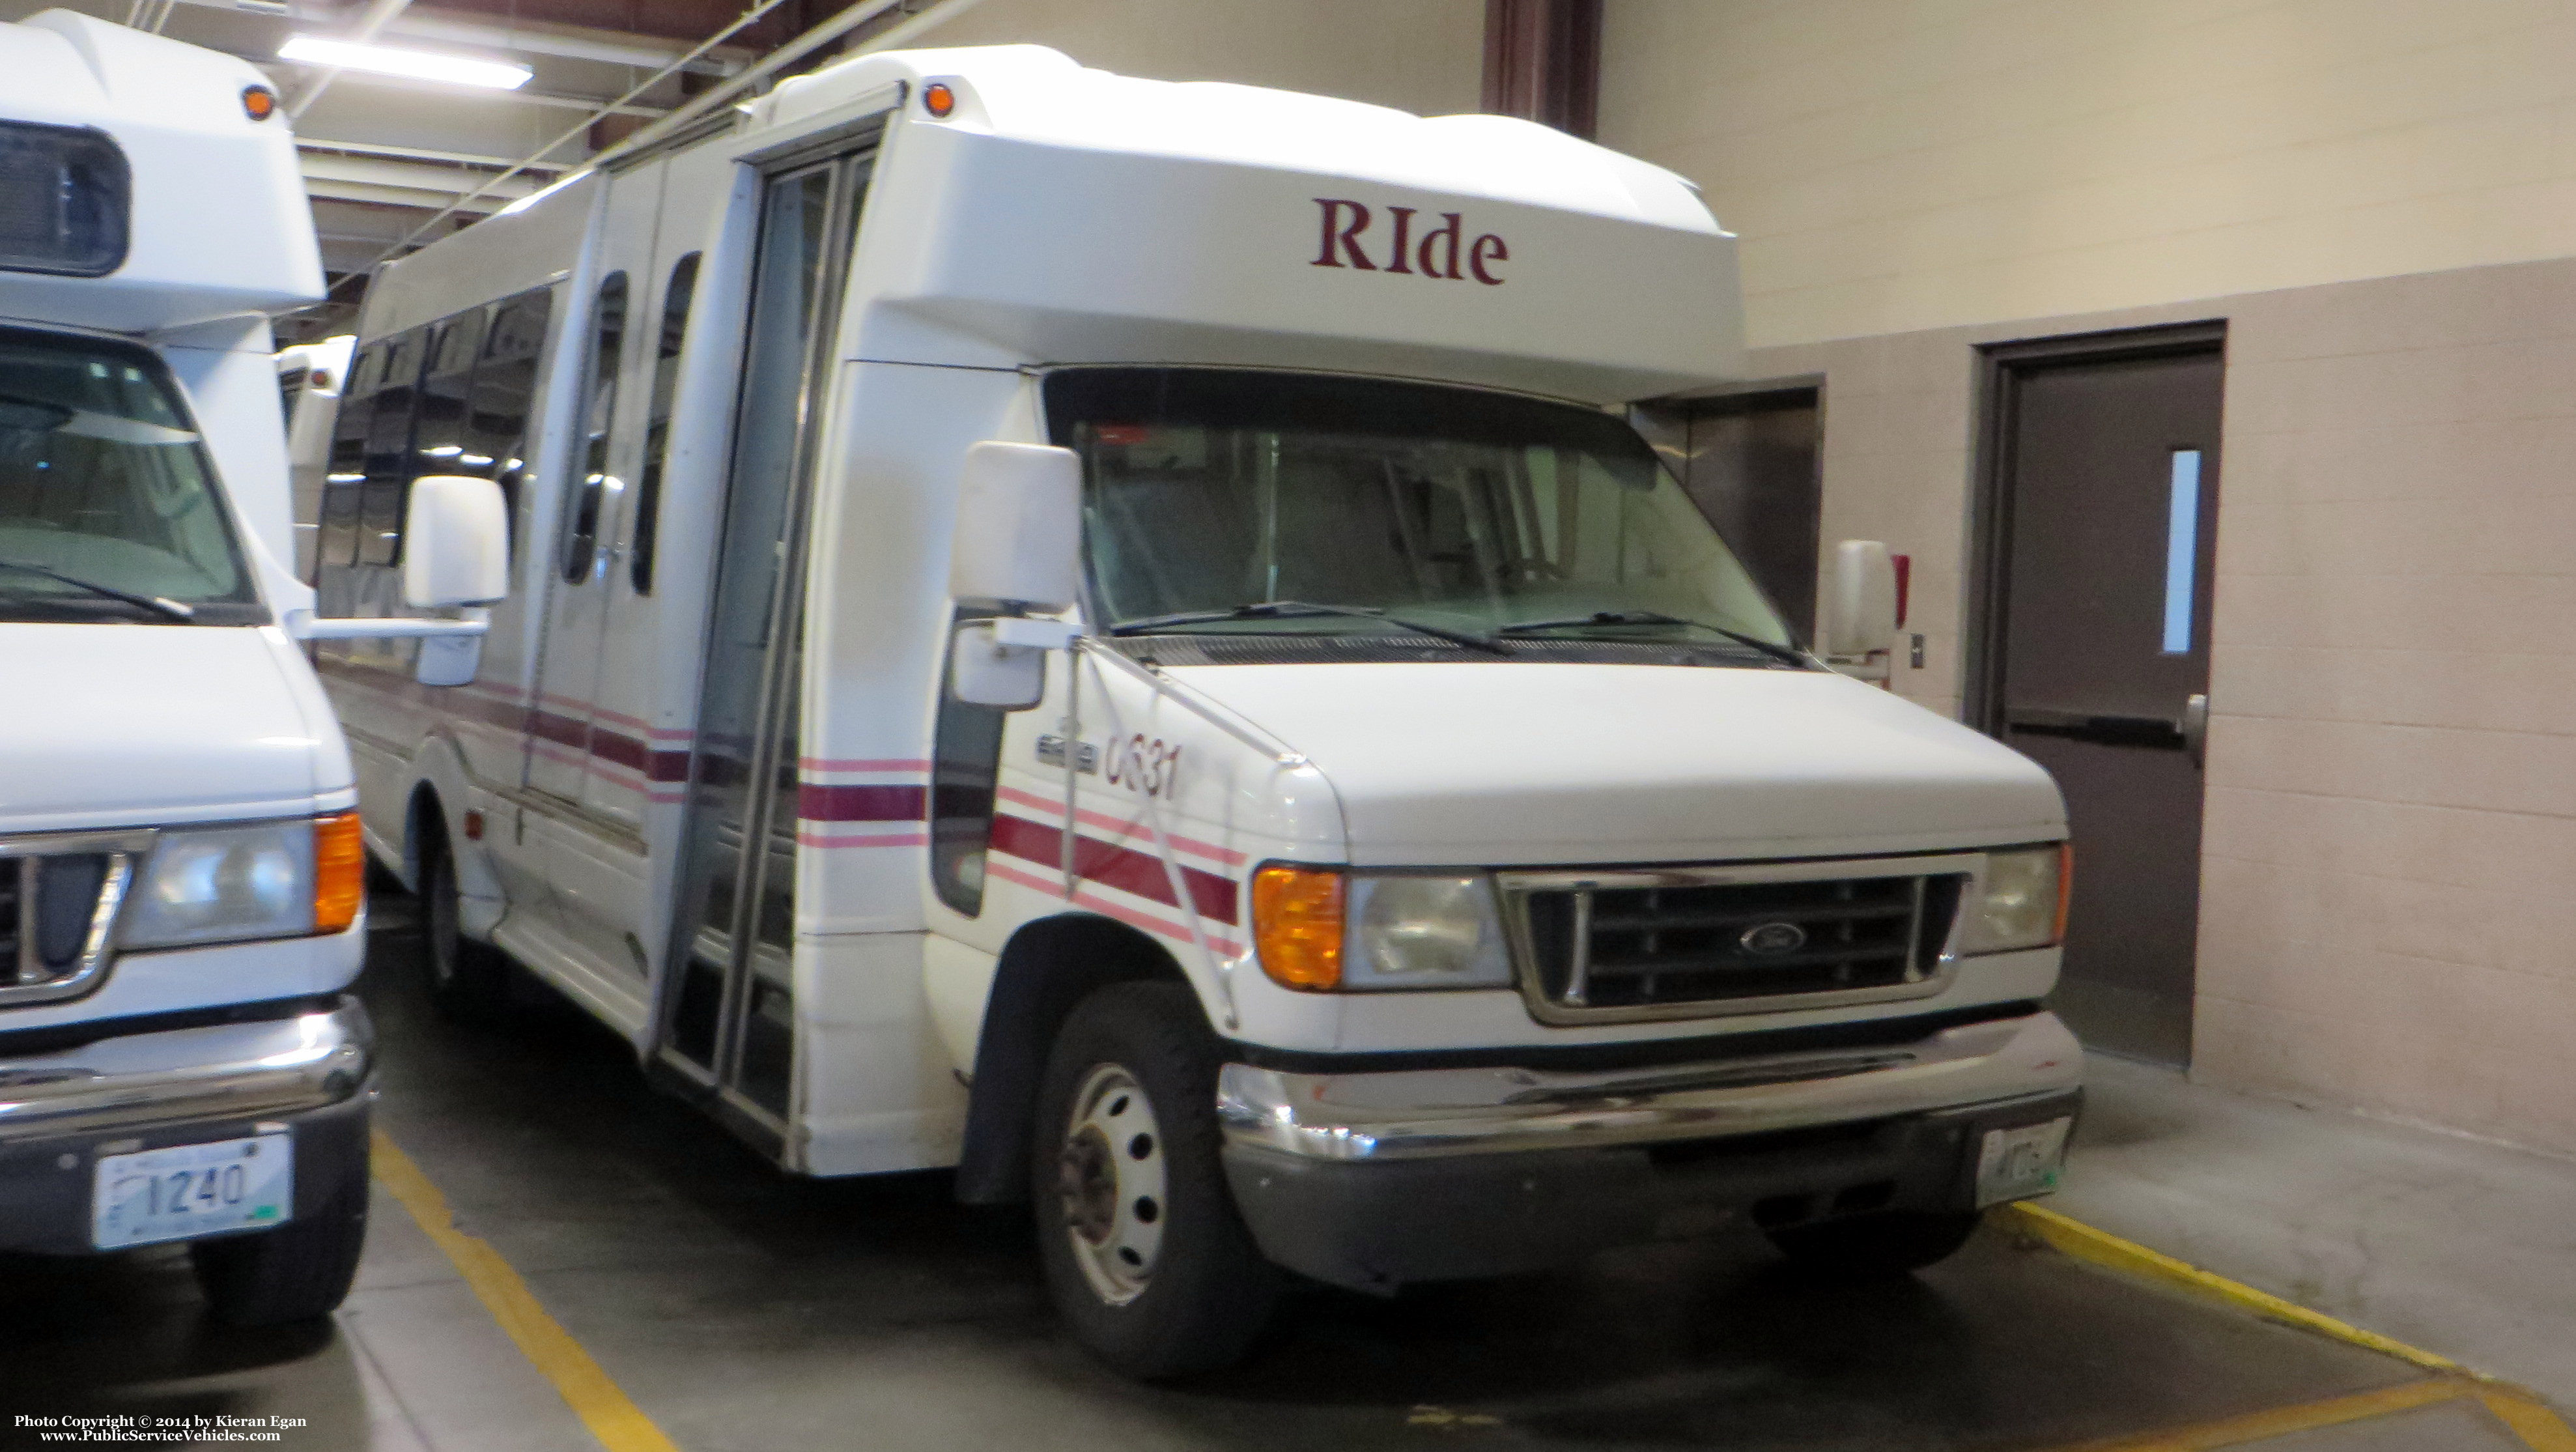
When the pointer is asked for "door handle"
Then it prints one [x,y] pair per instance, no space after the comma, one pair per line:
[2194,728]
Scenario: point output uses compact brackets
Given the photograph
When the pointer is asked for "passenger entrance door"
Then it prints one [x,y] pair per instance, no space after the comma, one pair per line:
[565,709]
[728,1019]
[2097,653]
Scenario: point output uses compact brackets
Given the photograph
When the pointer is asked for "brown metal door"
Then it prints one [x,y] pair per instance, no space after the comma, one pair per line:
[2099,657]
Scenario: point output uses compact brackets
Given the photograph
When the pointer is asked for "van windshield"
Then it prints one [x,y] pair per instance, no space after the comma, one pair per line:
[1274,503]
[107,497]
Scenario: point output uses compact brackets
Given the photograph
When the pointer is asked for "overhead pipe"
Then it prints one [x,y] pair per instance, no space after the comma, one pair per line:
[375,19]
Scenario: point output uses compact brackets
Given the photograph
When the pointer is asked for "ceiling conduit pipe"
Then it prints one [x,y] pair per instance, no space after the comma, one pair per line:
[375,19]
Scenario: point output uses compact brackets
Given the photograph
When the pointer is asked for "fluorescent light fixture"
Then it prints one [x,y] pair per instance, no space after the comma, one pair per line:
[418,64]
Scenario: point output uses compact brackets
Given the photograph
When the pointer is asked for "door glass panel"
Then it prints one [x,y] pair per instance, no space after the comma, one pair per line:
[657,427]
[608,340]
[2182,549]
[727,997]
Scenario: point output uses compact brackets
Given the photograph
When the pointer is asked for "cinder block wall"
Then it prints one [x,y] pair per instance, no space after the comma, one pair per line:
[2379,196]
[2388,892]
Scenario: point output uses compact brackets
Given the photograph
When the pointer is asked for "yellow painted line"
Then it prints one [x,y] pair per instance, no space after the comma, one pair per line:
[2281,1421]
[2102,1248]
[618,1423]
[2530,1419]
[2538,1426]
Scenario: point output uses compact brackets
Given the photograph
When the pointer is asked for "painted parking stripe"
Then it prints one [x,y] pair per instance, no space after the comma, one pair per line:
[2524,1414]
[602,1405]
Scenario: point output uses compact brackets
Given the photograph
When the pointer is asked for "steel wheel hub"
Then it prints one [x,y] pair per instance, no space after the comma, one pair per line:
[1110,1176]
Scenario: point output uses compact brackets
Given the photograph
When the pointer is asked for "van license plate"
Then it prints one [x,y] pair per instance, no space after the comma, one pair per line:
[192,1189]
[2015,1164]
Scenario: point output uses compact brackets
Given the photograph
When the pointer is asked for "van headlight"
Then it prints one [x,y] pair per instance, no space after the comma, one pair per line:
[1322,929]
[2021,901]
[280,879]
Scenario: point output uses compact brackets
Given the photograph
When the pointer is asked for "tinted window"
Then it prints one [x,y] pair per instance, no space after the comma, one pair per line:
[344,483]
[599,419]
[505,386]
[657,429]
[389,450]
[439,438]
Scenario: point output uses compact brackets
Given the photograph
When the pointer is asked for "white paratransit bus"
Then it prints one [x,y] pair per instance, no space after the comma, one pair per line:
[181,876]
[1114,635]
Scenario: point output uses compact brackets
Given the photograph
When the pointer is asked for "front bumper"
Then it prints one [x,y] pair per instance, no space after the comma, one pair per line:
[1374,1179]
[311,1074]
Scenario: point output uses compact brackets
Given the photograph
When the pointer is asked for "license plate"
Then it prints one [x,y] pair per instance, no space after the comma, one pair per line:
[2015,1164]
[192,1189]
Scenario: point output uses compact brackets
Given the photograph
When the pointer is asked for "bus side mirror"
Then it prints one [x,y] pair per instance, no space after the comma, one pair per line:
[1018,544]
[456,543]
[1019,526]
[1860,603]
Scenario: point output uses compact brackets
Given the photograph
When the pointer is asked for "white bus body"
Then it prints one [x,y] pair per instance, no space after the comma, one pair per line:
[1424,946]
[181,877]
[309,378]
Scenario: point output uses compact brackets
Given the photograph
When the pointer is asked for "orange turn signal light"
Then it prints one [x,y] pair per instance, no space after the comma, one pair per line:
[339,872]
[258,102]
[938,98]
[1297,926]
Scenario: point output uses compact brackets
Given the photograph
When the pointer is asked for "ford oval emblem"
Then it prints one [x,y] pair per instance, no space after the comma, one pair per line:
[1770,940]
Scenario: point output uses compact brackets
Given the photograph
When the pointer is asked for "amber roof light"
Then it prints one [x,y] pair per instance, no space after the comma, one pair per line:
[938,98]
[258,102]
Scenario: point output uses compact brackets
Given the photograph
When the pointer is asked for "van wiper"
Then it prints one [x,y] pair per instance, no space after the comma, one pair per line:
[172,609]
[1655,617]
[1291,609]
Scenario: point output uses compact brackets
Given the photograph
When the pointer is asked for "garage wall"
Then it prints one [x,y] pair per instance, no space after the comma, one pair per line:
[2388,890]
[1896,165]
[1424,56]
[2379,198]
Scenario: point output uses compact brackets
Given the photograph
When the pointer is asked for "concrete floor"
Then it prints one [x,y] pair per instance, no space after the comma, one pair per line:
[743,1310]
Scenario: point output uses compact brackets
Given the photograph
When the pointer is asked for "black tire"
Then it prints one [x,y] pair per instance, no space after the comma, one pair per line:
[469,981]
[296,1272]
[1205,1294]
[1877,1247]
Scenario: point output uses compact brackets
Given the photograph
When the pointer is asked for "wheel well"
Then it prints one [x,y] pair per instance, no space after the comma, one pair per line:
[424,823]
[1050,966]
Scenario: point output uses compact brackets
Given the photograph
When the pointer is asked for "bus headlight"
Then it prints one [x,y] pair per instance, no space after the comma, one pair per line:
[2022,901]
[1322,930]
[260,880]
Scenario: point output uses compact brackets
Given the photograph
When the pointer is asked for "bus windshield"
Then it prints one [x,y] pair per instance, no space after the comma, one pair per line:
[1245,502]
[107,496]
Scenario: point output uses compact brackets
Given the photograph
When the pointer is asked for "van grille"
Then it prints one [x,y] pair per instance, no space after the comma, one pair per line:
[56,910]
[1662,944]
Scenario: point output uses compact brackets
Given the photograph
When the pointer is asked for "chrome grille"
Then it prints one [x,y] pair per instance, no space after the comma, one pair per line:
[58,902]
[1683,942]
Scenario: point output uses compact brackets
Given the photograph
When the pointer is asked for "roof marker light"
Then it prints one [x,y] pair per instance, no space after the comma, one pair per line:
[419,64]
[258,102]
[938,98]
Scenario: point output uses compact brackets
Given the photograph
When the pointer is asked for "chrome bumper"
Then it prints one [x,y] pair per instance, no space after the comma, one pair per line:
[133,1081]
[1430,1113]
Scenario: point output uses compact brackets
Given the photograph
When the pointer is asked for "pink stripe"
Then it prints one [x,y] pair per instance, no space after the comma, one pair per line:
[668,797]
[892,839]
[835,763]
[1123,827]
[1085,897]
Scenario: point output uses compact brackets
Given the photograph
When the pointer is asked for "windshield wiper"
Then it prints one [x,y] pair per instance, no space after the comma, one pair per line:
[1291,609]
[1655,617]
[170,609]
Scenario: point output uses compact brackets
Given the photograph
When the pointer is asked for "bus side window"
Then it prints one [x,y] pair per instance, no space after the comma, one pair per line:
[438,441]
[345,479]
[505,384]
[599,416]
[389,451]
[657,428]
[965,770]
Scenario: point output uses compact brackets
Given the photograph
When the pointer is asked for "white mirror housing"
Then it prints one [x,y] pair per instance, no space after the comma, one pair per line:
[1019,526]
[1001,662]
[1860,602]
[456,543]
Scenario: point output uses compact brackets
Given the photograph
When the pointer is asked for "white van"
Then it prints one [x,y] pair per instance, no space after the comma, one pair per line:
[1114,636]
[181,880]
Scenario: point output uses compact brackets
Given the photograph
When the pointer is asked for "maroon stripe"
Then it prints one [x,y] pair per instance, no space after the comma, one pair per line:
[1111,865]
[668,766]
[561,730]
[816,802]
